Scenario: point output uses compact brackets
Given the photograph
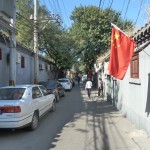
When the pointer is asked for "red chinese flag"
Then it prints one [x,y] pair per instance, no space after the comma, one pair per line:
[122,48]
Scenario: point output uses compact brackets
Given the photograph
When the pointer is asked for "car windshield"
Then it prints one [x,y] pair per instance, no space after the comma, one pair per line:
[51,85]
[43,83]
[63,80]
[11,93]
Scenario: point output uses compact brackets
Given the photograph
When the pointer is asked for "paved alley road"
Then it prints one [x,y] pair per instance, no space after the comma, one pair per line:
[77,124]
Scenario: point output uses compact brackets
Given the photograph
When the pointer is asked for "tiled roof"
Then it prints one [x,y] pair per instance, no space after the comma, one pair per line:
[142,35]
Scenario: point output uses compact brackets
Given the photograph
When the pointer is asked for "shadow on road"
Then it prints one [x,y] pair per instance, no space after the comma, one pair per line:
[100,116]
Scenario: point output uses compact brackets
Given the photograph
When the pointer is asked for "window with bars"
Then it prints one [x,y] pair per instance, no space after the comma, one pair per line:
[134,66]
[22,62]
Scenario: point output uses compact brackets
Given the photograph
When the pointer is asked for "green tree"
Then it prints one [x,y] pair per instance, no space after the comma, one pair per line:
[24,20]
[54,41]
[91,31]
[57,45]
[23,23]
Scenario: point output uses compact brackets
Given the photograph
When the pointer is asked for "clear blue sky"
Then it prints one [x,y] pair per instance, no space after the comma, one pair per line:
[65,8]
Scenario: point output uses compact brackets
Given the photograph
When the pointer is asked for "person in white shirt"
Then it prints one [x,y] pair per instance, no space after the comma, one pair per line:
[88,87]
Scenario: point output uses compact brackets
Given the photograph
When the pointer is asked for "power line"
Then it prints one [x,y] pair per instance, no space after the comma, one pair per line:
[50,4]
[126,9]
[109,7]
[123,6]
[54,6]
[103,4]
[59,9]
[25,18]
[54,14]
[108,3]
[27,25]
[100,1]
[111,4]
[139,11]
[45,5]
[65,11]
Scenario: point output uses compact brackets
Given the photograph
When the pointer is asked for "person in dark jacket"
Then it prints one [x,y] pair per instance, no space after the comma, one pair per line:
[100,87]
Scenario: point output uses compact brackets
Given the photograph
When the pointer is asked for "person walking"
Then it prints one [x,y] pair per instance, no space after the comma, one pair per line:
[88,87]
[100,87]
[79,80]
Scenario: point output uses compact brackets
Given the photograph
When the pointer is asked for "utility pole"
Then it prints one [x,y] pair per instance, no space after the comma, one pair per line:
[12,73]
[36,64]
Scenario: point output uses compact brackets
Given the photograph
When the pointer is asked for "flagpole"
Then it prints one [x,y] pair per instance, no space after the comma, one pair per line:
[119,29]
[122,48]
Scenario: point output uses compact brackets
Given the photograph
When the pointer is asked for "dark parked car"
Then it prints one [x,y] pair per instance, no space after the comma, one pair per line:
[54,87]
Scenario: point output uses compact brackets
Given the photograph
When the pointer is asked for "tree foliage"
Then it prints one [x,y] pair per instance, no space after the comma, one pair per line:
[58,45]
[91,31]
[54,41]
[23,23]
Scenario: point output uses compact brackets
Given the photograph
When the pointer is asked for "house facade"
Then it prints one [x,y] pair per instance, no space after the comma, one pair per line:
[24,64]
[132,94]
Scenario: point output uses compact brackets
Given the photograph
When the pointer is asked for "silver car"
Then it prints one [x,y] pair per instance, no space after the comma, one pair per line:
[23,105]
[66,83]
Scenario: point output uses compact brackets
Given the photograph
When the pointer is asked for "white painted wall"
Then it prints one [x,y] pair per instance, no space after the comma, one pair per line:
[23,75]
[4,67]
[132,96]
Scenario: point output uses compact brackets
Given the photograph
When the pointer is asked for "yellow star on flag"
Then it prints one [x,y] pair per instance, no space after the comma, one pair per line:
[116,36]
[118,45]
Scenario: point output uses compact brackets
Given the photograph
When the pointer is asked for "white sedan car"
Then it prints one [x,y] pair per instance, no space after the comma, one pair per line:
[23,105]
[66,83]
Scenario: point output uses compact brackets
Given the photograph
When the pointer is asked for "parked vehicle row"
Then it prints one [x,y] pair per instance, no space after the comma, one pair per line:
[54,87]
[66,83]
[84,78]
[24,105]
